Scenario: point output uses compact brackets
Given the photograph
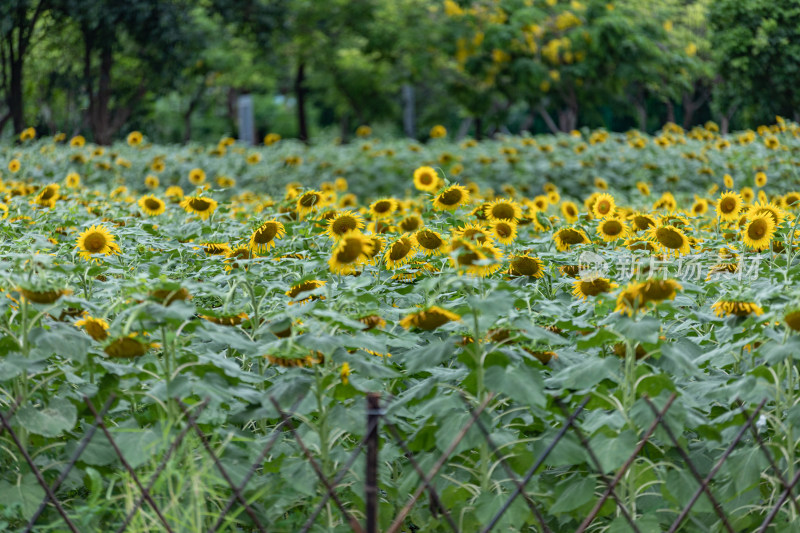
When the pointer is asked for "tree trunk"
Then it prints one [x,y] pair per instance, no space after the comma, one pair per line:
[409,113]
[725,121]
[691,106]
[478,129]
[527,122]
[3,121]
[15,58]
[567,120]
[670,111]
[187,117]
[300,95]
[551,124]
[99,100]
[15,96]
[641,113]
[187,125]
[344,128]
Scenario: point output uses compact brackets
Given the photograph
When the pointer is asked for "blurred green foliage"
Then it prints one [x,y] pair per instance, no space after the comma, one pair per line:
[174,68]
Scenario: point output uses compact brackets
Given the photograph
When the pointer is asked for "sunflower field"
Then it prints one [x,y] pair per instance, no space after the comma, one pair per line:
[529,272]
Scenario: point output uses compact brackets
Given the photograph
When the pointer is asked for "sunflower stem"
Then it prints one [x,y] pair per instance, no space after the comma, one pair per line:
[322,428]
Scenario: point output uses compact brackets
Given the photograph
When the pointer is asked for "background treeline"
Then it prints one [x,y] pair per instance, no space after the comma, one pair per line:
[174,68]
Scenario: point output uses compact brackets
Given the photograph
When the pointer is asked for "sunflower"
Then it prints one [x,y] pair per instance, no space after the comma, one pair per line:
[226,319]
[306,286]
[430,242]
[46,296]
[771,142]
[638,243]
[174,193]
[670,239]
[97,328]
[308,201]
[352,249]
[73,180]
[675,218]
[135,138]
[758,232]
[644,188]
[641,221]
[200,205]
[747,194]
[348,200]
[565,238]
[493,255]
[465,256]
[343,222]
[503,231]
[438,131]
[727,181]
[426,179]
[240,253]
[414,270]
[526,265]
[166,295]
[592,287]
[14,165]
[411,223]
[216,248]
[503,209]
[96,240]
[604,206]
[792,319]
[792,199]
[271,138]
[451,198]
[126,347]
[377,244]
[28,134]
[666,202]
[630,299]
[383,208]
[728,206]
[151,181]
[767,208]
[151,205]
[700,207]
[540,203]
[478,259]
[761,179]
[429,319]
[736,308]
[197,176]
[658,290]
[473,232]
[570,211]
[610,229]
[314,358]
[372,322]
[400,252]
[48,196]
[263,237]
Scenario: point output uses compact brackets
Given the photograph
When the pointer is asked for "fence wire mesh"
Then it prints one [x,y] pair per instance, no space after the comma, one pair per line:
[514,477]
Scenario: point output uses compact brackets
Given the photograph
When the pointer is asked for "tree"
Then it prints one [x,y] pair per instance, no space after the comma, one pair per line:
[757,54]
[151,36]
[18,21]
